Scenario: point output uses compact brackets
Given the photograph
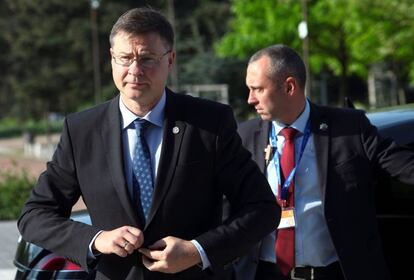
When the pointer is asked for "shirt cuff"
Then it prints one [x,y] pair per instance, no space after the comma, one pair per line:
[91,255]
[204,259]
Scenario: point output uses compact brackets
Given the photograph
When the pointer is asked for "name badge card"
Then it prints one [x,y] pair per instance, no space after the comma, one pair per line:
[287,219]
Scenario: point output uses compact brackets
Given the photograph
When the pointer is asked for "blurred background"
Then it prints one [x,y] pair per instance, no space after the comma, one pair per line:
[54,59]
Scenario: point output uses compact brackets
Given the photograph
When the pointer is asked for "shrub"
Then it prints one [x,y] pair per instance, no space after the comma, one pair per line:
[12,128]
[14,190]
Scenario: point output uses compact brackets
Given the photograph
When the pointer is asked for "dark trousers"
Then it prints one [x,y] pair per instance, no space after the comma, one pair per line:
[270,271]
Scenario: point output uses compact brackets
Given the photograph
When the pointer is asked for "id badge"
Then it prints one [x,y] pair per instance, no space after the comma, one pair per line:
[287,219]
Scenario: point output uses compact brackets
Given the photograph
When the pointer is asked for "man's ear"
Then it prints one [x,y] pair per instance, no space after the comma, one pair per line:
[171,59]
[290,85]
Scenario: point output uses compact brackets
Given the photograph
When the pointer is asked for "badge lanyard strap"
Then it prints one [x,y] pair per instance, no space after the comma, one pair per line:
[276,160]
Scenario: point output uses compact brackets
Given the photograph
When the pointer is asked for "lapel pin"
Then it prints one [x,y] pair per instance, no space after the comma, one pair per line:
[175,130]
[323,126]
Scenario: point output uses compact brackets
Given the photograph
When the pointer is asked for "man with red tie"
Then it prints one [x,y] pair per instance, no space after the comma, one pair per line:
[319,162]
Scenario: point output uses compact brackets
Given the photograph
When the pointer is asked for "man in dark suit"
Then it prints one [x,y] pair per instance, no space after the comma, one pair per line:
[167,225]
[337,153]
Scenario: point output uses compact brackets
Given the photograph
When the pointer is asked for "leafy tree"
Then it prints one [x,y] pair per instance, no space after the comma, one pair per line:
[49,57]
[198,25]
[346,36]
[385,37]
[257,24]
[46,55]
[5,61]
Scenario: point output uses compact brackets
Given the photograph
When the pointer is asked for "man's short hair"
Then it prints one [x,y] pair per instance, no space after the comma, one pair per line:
[284,62]
[141,21]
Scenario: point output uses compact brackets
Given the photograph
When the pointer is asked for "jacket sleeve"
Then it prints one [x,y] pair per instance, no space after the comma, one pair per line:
[45,220]
[384,153]
[255,212]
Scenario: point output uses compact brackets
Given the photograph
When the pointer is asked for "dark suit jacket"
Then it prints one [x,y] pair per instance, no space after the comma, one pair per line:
[197,166]
[349,153]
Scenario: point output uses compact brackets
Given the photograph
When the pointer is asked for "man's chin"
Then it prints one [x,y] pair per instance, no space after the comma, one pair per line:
[134,93]
[265,117]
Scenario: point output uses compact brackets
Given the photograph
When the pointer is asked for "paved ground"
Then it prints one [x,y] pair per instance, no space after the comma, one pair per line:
[8,240]
[7,274]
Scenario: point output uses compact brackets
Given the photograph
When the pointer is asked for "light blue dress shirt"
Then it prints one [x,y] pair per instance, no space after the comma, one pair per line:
[153,136]
[313,245]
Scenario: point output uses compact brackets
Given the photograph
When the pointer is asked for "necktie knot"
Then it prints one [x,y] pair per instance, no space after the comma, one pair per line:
[289,133]
[140,126]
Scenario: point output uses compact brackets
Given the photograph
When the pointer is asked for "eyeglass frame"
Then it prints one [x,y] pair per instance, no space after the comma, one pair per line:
[137,59]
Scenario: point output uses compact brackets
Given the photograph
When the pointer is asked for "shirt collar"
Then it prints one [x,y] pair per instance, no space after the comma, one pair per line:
[299,124]
[155,116]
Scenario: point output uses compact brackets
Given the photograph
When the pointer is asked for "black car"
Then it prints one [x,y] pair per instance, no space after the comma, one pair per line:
[395,212]
[395,200]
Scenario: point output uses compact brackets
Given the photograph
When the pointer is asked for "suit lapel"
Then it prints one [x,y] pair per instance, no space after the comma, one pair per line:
[174,130]
[111,137]
[320,131]
[261,139]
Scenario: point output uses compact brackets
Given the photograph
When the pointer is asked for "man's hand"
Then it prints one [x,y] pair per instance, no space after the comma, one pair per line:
[121,241]
[170,255]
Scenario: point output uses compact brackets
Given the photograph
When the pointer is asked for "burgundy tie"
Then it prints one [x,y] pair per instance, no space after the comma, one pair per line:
[285,240]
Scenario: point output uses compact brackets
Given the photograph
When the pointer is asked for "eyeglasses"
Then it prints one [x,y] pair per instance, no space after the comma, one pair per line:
[145,61]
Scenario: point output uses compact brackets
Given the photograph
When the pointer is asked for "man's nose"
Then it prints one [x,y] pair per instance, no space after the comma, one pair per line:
[251,98]
[135,69]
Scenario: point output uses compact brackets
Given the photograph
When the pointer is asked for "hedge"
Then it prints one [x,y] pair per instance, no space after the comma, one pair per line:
[14,191]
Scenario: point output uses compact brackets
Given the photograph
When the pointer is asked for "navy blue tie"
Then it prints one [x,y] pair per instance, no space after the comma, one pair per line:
[141,165]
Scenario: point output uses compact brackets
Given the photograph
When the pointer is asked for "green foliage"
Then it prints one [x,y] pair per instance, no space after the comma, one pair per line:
[14,189]
[10,127]
[257,24]
[46,50]
[385,35]
[345,36]
[198,26]
[46,54]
